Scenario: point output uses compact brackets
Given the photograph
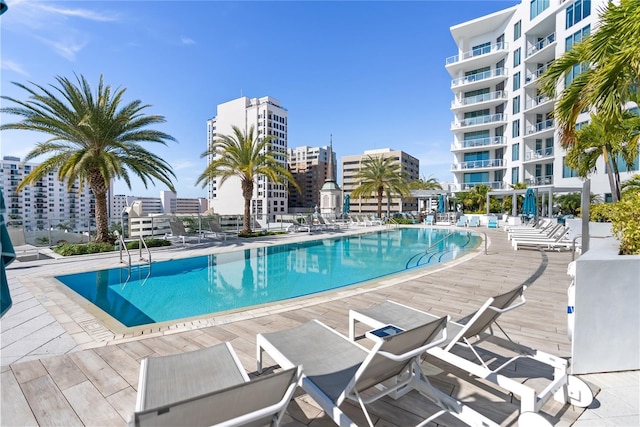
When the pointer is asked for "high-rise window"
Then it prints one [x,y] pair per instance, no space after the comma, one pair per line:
[516,104]
[537,7]
[516,57]
[515,128]
[515,172]
[517,30]
[515,152]
[576,37]
[576,12]
[516,81]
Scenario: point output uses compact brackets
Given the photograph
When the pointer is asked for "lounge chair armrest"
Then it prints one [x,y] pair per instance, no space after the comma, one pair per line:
[417,351]
[511,307]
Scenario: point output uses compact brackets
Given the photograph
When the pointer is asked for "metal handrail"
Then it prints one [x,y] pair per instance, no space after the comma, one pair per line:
[140,245]
[451,233]
[124,246]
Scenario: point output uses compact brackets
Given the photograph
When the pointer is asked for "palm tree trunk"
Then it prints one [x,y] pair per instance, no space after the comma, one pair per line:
[380,192]
[99,188]
[247,193]
[612,182]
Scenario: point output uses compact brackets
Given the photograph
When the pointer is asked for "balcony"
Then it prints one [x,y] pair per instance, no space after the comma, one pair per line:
[543,126]
[479,121]
[542,51]
[532,77]
[538,104]
[494,185]
[534,155]
[540,180]
[478,164]
[481,57]
[471,144]
[486,98]
[478,80]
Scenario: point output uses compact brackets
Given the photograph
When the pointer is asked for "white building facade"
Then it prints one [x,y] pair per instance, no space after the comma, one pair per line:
[45,204]
[268,117]
[503,127]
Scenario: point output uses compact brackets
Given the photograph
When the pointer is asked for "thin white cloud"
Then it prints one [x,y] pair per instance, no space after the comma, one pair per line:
[184,164]
[67,47]
[187,40]
[79,13]
[9,65]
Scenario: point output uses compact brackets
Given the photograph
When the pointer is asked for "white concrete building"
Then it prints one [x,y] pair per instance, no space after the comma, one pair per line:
[45,204]
[503,129]
[268,117]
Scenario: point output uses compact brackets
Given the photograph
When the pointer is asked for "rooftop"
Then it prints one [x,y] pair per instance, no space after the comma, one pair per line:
[61,364]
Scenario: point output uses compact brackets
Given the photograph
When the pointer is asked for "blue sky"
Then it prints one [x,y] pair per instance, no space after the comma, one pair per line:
[369,73]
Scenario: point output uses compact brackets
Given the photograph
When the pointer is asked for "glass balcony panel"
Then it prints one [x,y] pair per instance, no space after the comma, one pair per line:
[539,127]
[541,44]
[477,52]
[496,72]
[473,121]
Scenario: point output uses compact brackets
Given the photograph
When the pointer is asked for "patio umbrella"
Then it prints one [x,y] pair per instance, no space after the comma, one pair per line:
[441,204]
[7,255]
[529,206]
[347,204]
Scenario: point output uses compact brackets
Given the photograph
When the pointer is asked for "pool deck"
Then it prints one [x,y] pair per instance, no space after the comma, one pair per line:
[64,363]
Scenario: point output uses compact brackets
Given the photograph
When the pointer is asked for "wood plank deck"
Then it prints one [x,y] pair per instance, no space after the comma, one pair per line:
[98,386]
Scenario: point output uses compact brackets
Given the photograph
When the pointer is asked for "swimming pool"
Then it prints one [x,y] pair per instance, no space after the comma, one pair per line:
[177,289]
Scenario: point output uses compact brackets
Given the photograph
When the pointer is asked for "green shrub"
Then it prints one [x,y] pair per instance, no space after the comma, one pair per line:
[151,243]
[625,221]
[68,249]
[260,234]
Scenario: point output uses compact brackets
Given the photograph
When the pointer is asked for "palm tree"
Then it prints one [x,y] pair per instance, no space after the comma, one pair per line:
[610,141]
[423,183]
[94,139]
[246,157]
[610,58]
[379,175]
[609,65]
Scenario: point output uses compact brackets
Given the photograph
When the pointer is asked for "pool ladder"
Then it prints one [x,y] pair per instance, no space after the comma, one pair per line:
[123,247]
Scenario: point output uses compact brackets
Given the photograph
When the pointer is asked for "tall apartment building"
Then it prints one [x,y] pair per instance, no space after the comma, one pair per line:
[45,204]
[309,167]
[503,128]
[410,167]
[267,117]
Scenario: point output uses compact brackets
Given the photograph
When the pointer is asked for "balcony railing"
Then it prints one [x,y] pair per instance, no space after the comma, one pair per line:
[495,185]
[538,154]
[470,100]
[473,121]
[540,180]
[479,142]
[541,44]
[476,164]
[541,99]
[531,77]
[539,127]
[496,72]
[477,52]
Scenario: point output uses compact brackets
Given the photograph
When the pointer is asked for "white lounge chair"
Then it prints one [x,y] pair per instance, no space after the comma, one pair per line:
[179,232]
[462,221]
[492,222]
[429,220]
[474,221]
[545,231]
[563,387]
[218,231]
[209,387]
[559,241]
[337,369]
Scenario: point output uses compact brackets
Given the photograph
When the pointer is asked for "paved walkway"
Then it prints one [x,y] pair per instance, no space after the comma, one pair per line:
[63,362]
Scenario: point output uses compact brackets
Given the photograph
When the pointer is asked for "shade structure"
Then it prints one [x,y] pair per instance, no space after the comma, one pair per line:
[529,206]
[441,204]
[346,207]
[7,255]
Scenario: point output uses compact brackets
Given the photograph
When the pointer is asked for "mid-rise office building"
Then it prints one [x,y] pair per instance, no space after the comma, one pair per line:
[268,118]
[409,166]
[45,204]
[309,167]
[503,127]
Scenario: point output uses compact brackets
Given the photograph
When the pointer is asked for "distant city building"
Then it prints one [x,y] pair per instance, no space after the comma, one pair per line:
[410,167]
[46,203]
[167,203]
[330,193]
[503,128]
[308,165]
[268,118]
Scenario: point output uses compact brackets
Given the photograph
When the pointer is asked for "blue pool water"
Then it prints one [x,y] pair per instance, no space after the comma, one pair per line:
[177,289]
